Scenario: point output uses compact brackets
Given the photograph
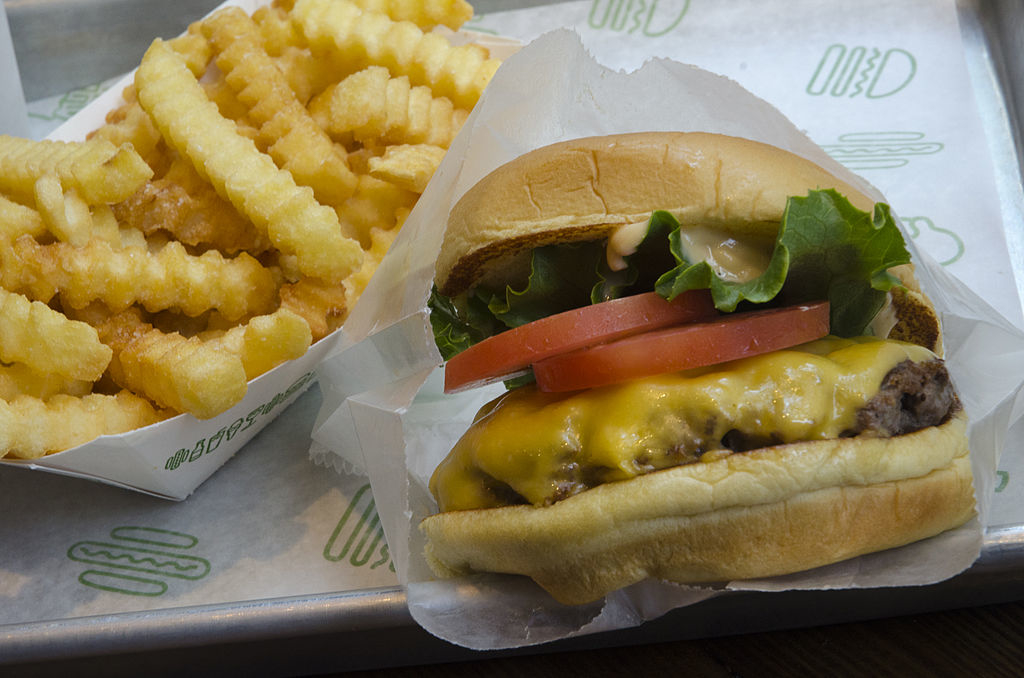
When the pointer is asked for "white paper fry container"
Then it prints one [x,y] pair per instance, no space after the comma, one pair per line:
[394,422]
[172,458]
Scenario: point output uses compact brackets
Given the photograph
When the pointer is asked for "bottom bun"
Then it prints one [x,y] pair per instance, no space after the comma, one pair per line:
[762,513]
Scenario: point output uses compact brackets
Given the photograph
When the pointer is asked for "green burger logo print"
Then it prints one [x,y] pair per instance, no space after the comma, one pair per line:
[880,150]
[652,18]
[862,72]
[139,561]
[358,537]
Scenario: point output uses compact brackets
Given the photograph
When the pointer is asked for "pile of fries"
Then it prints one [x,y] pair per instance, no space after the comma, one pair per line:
[227,215]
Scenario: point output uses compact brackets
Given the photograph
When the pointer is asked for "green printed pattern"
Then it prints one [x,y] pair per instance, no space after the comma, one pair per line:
[880,150]
[652,18]
[67,105]
[861,71]
[205,446]
[1004,480]
[138,560]
[954,243]
[358,537]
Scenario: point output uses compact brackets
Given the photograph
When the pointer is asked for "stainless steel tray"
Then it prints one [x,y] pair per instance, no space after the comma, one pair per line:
[362,629]
[60,45]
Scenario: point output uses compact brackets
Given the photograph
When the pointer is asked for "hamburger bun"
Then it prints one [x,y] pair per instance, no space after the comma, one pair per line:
[763,512]
[772,511]
[585,188]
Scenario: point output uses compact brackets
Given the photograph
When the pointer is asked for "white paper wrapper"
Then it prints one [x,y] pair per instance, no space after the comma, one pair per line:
[383,406]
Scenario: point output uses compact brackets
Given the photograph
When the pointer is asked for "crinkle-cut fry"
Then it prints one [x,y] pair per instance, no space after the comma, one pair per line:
[365,38]
[266,341]
[193,48]
[375,205]
[409,166]
[34,334]
[291,136]
[168,279]
[322,305]
[219,92]
[424,13]
[307,73]
[376,108]
[277,32]
[17,220]
[32,427]
[129,124]
[183,205]
[68,217]
[290,215]
[100,171]
[20,379]
[183,374]
[355,284]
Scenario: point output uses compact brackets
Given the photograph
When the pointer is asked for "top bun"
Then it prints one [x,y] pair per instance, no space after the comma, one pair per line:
[583,189]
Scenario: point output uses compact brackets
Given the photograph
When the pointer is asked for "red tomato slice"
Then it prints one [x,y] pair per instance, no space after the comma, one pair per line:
[730,337]
[511,352]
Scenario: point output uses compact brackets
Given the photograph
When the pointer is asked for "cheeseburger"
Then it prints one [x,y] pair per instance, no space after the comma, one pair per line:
[718,366]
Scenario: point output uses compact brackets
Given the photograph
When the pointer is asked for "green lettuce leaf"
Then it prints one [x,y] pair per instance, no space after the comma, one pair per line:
[826,249]
[459,322]
[561,278]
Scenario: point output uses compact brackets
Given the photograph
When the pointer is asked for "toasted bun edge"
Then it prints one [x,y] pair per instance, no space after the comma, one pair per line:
[582,189]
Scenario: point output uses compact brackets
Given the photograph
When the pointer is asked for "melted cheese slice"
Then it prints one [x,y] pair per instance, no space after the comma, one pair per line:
[539,447]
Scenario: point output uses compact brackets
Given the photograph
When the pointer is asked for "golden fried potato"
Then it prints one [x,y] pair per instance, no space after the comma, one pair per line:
[286,130]
[169,278]
[373,108]
[226,215]
[291,217]
[266,341]
[98,170]
[17,219]
[32,427]
[424,13]
[188,208]
[342,28]
[45,340]
[179,373]
[408,166]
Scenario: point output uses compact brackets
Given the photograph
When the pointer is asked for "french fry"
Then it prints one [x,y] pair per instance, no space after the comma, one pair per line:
[424,13]
[322,305]
[266,341]
[183,374]
[355,284]
[129,124]
[292,137]
[31,427]
[68,217]
[277,32]
[374,108]
[228,214]
[98,170]
[17,219]
[169,279]
[408,166]
[291,217]
[181,204]
[20,379]
[366,38]
[45,340]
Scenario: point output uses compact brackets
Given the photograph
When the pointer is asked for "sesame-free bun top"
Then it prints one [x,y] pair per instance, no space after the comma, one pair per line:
[585,188]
